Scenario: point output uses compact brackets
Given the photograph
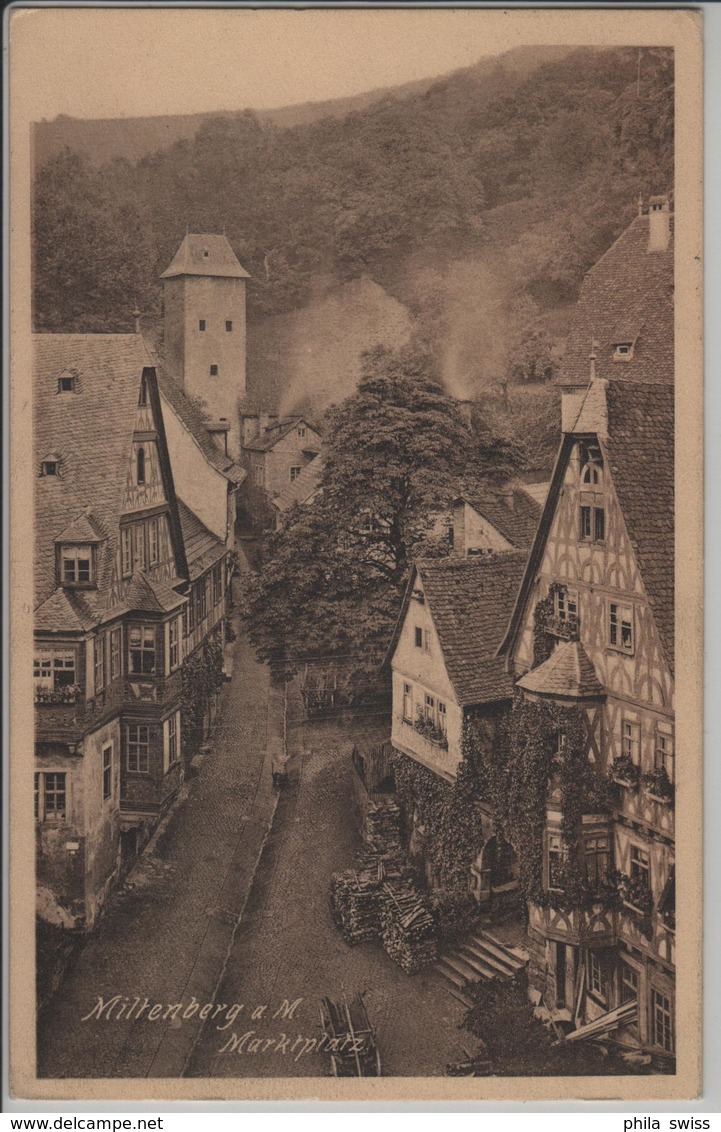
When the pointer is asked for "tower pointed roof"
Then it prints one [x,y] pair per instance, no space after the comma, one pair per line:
[202,254]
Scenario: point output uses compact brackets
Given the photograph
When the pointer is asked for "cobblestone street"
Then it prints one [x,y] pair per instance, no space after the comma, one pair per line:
[288,948]
[165,935]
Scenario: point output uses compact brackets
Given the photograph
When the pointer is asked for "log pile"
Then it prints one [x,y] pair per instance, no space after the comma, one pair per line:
[410,936]
[357,896]
[381,829]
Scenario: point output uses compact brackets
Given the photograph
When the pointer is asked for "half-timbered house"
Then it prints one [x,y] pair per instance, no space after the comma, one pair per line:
[592,633]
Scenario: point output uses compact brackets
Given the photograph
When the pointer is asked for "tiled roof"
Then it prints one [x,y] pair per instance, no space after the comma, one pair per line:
[567,672]
[82,529]
[150,595]
[91,429]
[202,548]
[270,436]
[626,297]
[192,419]
[518,523]
[67,611]
[302,488]
[205,255]
[640,450]
[470,601]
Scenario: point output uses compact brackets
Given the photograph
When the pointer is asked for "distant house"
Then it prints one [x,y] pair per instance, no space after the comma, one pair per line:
[488,524]
[275,452]
[301,491]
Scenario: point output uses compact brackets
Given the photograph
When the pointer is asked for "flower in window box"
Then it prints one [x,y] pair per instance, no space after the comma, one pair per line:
[625,772]
[658,785]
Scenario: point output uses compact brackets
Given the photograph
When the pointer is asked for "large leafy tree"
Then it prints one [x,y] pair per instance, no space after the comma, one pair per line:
[396,453]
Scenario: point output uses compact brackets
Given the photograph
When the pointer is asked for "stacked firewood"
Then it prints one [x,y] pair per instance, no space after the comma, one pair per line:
[410,936]
[357,895]
[382,826]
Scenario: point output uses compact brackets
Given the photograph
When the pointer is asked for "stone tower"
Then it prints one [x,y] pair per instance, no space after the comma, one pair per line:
[204,329]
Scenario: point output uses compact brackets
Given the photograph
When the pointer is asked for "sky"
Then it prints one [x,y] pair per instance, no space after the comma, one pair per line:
[122,63]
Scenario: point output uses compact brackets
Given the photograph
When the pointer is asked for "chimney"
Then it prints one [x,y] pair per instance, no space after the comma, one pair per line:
[507,496]
[659,228]
[136,315]
[457,529]
[267,420]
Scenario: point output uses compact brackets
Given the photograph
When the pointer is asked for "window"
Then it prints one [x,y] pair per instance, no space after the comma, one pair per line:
[566,604]
[592,526]
[126,552]
[557,855]
[620,626]
[138,546]
[258,475]
[190,610]
[596,977]
[294,473]
[631,740]
[200,597]
[142,650]
[99,650]
[140,466]
[426,640]
[596,854]
[50,796]
[663,753]
[66,383]
[640,870]
[76,565]
[214,371]
[55,670]
[138,748]
[171,746]
[430,709]
[419,638]
[143,398]
[629,983]
[201,324]
[442,717]
[408,703]
[116,652]
[173,645]
[49,468]
[217,583]
[662,1021]
[153,543]
[301,431]
[599,524]
[623,351]
[585,524]
[107,771]
[206,253]
[228,325]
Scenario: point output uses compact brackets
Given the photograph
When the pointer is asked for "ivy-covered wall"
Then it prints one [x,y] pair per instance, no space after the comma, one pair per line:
[202,678]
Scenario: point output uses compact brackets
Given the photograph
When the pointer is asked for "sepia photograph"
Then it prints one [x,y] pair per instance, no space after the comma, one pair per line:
[352,462]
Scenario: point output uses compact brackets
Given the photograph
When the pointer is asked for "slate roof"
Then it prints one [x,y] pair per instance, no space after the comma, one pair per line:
[150,595]
[567,672]
[640,453]
[202,548]
[275,433]
[208,255]
[626,297]
[470,601]
[518,523]
[302,488]
[192,418]
[94,443]
[537,491]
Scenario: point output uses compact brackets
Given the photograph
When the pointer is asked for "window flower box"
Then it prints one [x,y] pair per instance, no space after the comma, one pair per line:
[658,786]
[66,694]
[564,627]
[625,772]
[428,730]
[635,894]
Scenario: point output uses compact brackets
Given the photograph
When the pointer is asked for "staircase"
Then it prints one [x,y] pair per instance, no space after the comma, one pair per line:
[479,957]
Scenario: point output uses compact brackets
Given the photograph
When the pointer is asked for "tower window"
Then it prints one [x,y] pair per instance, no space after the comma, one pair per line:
[213,371]
[229,325]
[49,468]
[206,253]
[294,473]
[201,324]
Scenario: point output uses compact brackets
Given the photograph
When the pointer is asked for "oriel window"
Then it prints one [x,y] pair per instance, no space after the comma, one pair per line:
[137,737]
[141,650]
